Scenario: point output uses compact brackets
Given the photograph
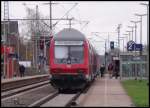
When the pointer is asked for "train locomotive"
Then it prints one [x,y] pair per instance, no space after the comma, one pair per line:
[73,60]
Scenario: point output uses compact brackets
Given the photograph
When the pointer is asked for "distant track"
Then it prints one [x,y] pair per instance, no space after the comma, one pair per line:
[11,84]
[22,89]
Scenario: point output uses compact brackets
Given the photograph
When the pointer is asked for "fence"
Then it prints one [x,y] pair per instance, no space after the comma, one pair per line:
[133,65]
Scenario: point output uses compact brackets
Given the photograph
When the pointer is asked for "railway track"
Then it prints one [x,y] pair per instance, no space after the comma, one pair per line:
[13,86]
[39,94]
[12,92]
[10,84]
[59,99]
[27,97]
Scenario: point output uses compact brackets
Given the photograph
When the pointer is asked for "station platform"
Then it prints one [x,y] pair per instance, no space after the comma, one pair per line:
[20,78]
[106,92]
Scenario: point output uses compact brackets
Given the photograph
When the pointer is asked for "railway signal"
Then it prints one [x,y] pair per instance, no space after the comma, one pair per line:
[112,45]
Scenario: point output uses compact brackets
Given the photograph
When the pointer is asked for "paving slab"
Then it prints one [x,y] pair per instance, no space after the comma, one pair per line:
[106,92]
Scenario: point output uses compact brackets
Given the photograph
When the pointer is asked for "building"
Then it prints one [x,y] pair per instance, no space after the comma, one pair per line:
[9,38]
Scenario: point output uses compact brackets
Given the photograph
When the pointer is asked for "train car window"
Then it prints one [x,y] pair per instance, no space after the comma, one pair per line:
[61,52]
[73,54]
[76,53]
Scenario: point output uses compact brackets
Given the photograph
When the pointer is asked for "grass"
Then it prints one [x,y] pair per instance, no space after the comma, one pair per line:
[138,91]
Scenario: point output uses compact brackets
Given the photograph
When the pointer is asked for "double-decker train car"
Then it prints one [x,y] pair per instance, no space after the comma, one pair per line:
[73,60]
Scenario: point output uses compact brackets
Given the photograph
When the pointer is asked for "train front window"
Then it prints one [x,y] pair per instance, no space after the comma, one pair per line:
[61,52]
[68,54]
[76,54]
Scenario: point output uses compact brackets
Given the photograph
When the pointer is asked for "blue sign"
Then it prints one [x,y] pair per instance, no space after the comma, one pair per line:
[112,44]
[138,47]
[131,45]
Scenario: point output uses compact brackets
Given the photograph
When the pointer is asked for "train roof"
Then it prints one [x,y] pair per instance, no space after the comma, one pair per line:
[69,34]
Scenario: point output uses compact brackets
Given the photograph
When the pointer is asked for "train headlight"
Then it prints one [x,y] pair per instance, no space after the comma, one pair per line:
[87,76]
[50,76]
[56,70]
[82,71]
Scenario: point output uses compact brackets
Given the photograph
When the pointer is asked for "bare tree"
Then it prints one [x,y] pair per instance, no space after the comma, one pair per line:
[33,29]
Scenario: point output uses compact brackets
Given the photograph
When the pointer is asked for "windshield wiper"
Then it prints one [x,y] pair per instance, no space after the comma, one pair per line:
[69,60]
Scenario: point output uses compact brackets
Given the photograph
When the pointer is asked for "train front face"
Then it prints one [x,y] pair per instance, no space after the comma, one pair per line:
[68,64]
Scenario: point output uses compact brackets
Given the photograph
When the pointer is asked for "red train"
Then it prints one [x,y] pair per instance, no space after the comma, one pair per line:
[73,60]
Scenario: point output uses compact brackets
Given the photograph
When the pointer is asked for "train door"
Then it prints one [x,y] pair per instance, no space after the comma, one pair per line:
[90,63]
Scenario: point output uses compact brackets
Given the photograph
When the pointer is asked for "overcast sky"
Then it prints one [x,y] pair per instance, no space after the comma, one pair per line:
[103,16]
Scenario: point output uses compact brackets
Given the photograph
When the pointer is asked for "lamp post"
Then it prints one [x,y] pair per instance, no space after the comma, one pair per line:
[118,29]
[123,43]
[122,38]
[129,34]
[126,37]
[141,15]
[147,5]
[135,22]
[132,27]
